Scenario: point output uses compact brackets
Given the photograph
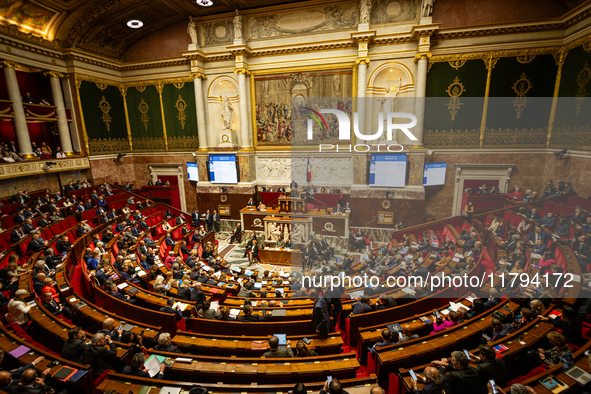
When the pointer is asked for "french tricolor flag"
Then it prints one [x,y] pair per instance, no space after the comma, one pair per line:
[309,170]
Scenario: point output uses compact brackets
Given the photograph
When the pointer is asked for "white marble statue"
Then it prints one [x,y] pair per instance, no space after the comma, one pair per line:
[389,104]
[227,113]
[364,11]
[237,26]
[192,30]
[427,8]
[297,233]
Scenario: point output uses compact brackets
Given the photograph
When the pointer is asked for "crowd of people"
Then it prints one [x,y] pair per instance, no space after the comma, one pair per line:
[11,154]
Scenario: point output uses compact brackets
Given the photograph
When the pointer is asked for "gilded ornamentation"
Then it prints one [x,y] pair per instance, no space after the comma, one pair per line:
[515,138]
[525,58]
[143,107]
[105,109]
[16,170]
[179,85]
[141,88]
[181,105]
[521,87]
[571,137]
[101,85]
[189,143]
[582,81]
[587,46]
[456,63]
[148,144]
[451,139]
[455,90]
[108,145]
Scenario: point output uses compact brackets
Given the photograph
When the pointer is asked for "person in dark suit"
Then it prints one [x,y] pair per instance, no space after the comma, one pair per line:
[386,340]
[275,351]
[195,219]
[178,314]
[168,239]
[74,347]
[197,294]
[490,367]
[538,233]
[500,330]
[464,379]
[252,317]
[434,383]
[99,356]
[334,387]
[236,234]
[36,244]
[63,244]
[216,221]
[165,344]
[386,302]
[320,314]
[135,368]
[30,383]
[17,234]
[43,221]
[251,203]
[56,308]
[38,283]
[20,216]
[253,252]
[209,220]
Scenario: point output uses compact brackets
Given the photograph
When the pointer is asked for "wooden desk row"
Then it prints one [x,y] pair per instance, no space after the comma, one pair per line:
[125,383]
[242,346]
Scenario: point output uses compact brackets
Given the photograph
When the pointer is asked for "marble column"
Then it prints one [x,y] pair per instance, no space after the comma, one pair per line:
[199,104]
[420,92]
[23,139]
[245,142]
[62,119]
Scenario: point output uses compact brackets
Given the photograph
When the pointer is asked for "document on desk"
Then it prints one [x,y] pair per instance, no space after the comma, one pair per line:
[182,306]
[152,366]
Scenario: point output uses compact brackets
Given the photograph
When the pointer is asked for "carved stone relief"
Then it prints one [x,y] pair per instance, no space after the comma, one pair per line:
[219,32]
[275,168]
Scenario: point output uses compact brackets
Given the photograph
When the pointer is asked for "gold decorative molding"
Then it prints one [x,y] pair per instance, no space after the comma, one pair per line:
[143,108]
[242,71]
[525,58]
[188,143]
[105,146]
[523,53]
[452,139]
[455,90]
[571,137]
[582,81]
[521,87]
[38,167]
[364,60]
[198,76]
[141,88]
[149,144]
[457,63]
[181,106]
[9,64]
[54,74]
[105,109]
[423,55]
[515,138]
[101,86]
[178,85]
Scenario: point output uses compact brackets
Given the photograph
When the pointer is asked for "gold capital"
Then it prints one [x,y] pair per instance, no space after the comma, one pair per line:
[199,76]
[364,60]
[242,71]
[9,64]
[54,74]
[423,55]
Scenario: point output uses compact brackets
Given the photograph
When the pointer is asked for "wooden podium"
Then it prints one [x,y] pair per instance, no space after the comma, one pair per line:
[292,204]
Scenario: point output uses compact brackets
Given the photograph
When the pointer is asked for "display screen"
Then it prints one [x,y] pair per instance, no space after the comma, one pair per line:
[434,174]
[193,172]
[222,169]
[387,170]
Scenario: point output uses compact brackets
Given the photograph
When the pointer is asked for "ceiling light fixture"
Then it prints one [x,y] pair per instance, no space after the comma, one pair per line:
[135,23]
[205,3]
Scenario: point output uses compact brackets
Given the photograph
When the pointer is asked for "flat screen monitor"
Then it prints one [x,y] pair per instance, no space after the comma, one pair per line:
[387,169]
[222,169]
[434,174]
[193,172]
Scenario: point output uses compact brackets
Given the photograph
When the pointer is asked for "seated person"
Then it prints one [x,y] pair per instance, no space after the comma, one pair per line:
[386,338]
[440,324]
[165,344]
[276,351]
[137,365]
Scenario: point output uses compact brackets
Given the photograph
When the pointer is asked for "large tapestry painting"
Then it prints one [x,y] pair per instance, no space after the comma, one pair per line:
[281,103]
